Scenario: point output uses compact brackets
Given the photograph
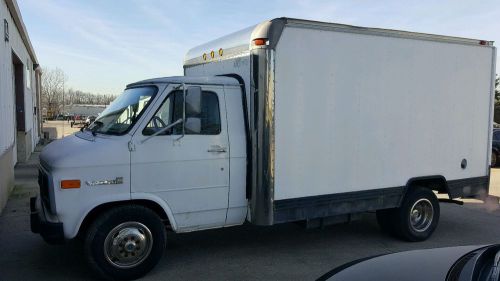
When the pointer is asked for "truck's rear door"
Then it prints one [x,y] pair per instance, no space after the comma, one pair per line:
[189,172]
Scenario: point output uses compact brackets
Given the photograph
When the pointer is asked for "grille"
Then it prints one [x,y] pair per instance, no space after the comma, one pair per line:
[43,183]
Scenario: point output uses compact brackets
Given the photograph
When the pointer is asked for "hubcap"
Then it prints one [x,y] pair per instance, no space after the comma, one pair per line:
[421,215]
[128,244]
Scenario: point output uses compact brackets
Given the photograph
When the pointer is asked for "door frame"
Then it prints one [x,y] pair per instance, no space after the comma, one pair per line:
[19,105]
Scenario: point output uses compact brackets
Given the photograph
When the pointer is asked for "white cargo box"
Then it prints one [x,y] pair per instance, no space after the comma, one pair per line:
[341,118]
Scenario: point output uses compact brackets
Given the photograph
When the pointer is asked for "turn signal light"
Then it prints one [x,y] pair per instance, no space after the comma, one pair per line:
[259,41]
[66,184]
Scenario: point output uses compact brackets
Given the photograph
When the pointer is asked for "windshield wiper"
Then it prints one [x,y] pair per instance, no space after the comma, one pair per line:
[97,126]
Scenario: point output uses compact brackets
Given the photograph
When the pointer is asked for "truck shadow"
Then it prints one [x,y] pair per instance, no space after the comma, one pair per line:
[295,252]
[286,251]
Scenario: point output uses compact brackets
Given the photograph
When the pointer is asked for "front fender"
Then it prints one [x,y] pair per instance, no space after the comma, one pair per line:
[71,231]
[159,201]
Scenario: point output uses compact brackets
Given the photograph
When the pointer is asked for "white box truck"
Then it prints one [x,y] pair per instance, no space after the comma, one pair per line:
[288,120]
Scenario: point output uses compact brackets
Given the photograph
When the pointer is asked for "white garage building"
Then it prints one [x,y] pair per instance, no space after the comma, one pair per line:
[20,122]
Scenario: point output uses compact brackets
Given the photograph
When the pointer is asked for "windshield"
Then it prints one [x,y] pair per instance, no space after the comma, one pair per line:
[122,113]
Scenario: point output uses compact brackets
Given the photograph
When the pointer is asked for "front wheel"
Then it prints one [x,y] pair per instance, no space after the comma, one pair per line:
[125,243]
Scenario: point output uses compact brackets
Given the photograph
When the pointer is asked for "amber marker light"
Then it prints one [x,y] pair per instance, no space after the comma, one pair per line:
[68,184]
[259,41]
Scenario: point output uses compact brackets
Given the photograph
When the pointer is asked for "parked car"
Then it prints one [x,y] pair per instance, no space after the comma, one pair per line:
[77,120]
[464,263]
[495,148]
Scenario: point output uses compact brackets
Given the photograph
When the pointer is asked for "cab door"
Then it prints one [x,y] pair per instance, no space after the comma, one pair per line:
[187,165]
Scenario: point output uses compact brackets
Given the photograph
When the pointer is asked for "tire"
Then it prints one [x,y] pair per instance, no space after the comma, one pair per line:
[424,205]
[140,238]
[494,159]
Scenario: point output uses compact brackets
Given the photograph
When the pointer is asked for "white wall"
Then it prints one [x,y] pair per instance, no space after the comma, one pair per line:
[7,101]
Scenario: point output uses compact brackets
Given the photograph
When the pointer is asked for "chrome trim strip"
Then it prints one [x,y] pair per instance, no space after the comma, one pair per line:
[262,133]
[269,133]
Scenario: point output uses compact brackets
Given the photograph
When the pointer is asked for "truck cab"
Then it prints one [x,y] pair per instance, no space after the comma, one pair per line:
[175,145]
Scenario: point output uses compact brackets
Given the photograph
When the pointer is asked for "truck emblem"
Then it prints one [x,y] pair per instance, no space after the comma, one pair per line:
[117,180]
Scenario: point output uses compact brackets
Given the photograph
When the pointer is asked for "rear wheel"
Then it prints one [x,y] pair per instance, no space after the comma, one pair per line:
[416,219]
[125,243]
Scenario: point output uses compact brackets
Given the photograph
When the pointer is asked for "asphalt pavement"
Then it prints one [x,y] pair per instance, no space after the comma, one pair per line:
[281,252]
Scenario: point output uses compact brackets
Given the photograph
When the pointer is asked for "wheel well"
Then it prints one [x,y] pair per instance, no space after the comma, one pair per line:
[94,213]
[436,183]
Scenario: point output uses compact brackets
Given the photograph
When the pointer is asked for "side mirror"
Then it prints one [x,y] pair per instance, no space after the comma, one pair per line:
[193,102]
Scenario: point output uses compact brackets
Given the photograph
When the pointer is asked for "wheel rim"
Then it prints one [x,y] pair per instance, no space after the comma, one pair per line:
[421,215]
[128,244]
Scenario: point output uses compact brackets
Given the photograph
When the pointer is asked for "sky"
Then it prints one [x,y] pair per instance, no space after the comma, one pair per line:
[102,45]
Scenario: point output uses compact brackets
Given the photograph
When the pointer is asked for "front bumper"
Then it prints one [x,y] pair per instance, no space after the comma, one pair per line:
[52,232]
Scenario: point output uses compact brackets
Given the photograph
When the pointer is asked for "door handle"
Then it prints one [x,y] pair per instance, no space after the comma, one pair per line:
[217,149]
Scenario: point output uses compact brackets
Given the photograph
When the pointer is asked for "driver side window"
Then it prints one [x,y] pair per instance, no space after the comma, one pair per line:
[171,111]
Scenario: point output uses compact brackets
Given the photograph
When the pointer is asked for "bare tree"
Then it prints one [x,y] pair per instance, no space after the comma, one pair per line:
[55,97]
[79,97]
[52,90]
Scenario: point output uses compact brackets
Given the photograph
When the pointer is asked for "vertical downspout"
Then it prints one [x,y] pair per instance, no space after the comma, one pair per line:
[38,93]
